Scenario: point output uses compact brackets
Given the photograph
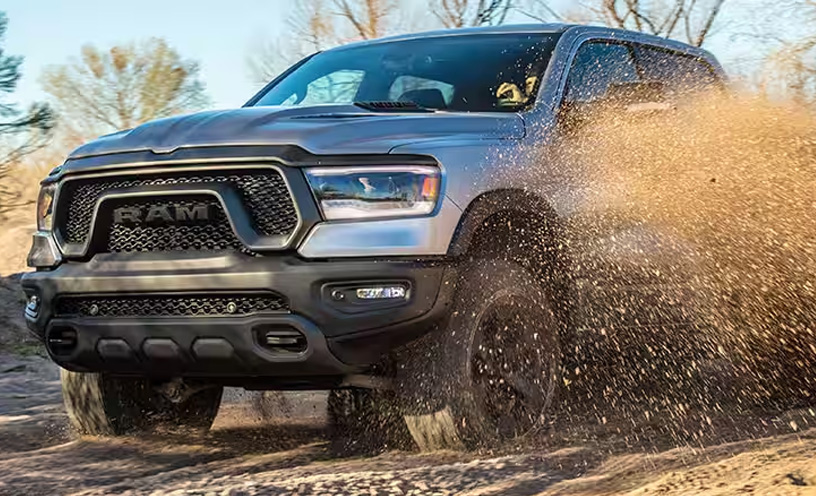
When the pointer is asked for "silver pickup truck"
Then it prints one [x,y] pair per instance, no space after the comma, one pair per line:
[357,226]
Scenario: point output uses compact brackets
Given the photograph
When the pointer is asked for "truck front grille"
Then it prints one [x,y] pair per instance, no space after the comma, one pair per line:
[212,235]
[152,305]
[263,191]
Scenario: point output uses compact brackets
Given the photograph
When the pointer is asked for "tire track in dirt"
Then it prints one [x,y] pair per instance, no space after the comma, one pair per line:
[248,454]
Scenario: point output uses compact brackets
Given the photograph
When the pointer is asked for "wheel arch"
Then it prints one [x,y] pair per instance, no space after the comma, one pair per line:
[482,216]
[522,226]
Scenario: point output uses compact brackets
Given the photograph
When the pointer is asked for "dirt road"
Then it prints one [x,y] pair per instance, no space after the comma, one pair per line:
[247,454]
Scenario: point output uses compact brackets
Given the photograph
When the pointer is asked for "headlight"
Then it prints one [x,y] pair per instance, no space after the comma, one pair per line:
[45,207]
[376,191]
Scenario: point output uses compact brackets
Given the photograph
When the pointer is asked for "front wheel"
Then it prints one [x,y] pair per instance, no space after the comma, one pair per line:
[491,375]
[99,404]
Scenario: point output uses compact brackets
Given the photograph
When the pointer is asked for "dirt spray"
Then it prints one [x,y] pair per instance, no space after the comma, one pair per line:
[730,181]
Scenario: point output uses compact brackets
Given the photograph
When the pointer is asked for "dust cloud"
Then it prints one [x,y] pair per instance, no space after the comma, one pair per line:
[691,236]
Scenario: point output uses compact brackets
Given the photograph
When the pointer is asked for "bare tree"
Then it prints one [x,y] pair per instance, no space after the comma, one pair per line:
[311,28]
[692,19]
[369,18]
[315,25]
[688,20]
[789,71]
[464,13]
[122,87]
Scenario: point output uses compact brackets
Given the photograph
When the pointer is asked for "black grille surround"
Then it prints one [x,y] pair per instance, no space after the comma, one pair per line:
[216,234]
[263,192]
[170,305]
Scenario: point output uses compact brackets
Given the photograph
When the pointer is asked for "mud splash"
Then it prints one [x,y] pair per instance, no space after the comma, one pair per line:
[730,182]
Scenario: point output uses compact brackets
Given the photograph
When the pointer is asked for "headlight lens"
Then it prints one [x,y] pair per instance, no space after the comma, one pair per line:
[376,191]
[45,207]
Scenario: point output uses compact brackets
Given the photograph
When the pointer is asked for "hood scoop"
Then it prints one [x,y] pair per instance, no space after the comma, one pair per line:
[387,106]
[331,116]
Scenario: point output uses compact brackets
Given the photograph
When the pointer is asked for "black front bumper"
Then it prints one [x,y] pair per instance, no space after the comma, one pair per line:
[340,337]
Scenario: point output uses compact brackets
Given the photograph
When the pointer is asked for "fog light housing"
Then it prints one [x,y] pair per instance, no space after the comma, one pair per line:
[367,296]
[391,292]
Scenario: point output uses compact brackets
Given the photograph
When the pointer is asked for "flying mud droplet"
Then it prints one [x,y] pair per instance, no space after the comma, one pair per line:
[708,212]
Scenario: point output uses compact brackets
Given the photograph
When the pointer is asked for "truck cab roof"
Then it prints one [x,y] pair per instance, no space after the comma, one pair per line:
[551,28]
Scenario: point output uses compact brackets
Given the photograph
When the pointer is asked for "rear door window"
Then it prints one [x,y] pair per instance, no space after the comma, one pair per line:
[680,74]
[597,68]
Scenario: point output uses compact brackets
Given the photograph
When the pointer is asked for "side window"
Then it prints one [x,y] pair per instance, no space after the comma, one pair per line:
[405,87]
[597,67]
[680,74]
[336,87]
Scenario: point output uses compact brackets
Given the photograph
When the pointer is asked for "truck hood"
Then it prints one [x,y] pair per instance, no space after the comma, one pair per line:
[334,129]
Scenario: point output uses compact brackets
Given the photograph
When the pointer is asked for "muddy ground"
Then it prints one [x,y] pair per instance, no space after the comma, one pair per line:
[285,452]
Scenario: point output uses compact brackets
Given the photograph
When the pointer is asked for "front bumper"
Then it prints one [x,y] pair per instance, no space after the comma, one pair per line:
[340,338]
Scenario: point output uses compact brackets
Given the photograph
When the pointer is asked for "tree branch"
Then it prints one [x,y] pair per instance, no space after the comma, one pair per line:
[347,13]
[701,36]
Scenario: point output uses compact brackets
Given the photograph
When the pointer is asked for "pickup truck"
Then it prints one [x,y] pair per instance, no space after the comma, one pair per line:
[356,227]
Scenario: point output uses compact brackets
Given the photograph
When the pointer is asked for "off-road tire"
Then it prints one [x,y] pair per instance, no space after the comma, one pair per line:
[102,405]
[491,374]
[365,421]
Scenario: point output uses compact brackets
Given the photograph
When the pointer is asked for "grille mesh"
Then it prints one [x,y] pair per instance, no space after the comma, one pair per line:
[213,235]
[169,305]
[263,191]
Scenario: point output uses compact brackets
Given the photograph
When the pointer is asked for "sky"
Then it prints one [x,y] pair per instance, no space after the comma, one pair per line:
[219,34]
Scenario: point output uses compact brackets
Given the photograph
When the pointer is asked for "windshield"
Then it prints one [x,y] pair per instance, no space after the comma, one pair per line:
[468,73]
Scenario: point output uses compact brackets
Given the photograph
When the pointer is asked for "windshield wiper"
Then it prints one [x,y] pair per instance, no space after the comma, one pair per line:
[391,106]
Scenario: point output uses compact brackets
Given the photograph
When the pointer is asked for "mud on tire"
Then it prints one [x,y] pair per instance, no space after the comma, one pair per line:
[491,374]
[98,404]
